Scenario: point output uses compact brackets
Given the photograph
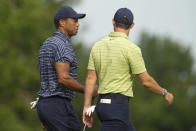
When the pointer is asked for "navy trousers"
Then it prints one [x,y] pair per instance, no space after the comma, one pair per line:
[57,114]
[113,112]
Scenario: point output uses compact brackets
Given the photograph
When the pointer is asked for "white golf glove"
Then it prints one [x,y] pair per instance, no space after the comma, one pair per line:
[34,103]
[90,110]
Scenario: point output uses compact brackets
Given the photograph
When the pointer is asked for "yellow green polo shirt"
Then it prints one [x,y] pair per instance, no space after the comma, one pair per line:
[115,59]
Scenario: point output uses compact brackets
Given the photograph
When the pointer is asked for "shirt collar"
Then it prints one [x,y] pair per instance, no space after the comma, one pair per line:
[118,34]
[60,34]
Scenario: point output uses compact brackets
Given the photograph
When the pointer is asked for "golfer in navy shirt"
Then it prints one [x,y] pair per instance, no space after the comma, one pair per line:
[58,74]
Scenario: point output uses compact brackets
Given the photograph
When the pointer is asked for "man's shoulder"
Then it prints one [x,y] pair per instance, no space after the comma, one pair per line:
[59,40]
[55,42]
[100,42]
[130,45]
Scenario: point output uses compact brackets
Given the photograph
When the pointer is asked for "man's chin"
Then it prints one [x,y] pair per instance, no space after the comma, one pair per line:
[73,34]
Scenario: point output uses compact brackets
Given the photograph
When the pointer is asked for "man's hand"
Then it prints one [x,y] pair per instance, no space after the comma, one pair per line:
[168,98]
[88,120]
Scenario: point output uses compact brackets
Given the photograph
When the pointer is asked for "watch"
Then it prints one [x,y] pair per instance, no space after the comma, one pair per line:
[164,92]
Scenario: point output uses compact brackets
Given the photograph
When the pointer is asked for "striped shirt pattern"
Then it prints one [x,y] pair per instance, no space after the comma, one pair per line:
[116,60]
[56,49]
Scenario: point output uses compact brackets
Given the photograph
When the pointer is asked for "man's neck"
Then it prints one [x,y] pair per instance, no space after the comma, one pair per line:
[64,32]
[122,30]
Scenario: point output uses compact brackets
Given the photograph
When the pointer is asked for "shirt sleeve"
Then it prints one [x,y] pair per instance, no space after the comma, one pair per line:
[91,65]
[63,53]
[136,61]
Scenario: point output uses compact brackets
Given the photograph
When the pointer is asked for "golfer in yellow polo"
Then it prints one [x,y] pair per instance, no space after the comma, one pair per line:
[114,60]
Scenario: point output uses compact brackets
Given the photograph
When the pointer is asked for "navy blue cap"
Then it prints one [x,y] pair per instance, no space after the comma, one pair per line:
[124,13]
[67,12]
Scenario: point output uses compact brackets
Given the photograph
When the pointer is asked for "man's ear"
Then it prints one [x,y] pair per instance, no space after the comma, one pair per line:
[61,23]
[113,22]
[131,26]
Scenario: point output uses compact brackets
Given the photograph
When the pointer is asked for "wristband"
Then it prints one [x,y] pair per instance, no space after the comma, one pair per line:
[164,92]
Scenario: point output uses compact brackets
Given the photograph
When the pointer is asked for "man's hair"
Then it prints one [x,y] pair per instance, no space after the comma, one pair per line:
[123,23]
[57,24]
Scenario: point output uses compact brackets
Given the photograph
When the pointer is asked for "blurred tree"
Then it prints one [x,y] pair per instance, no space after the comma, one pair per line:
[171,65]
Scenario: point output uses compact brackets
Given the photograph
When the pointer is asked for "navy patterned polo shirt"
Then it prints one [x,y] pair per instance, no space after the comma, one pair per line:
[56,49]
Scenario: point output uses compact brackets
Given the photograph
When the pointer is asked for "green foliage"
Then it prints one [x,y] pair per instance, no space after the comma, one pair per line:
[171,65]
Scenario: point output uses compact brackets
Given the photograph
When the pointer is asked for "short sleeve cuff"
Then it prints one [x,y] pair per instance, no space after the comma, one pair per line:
[90,68]
[64,60]
[139,71]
